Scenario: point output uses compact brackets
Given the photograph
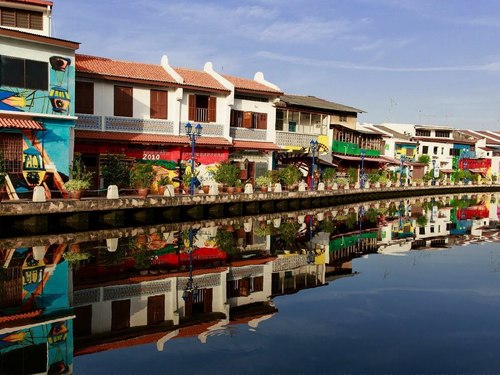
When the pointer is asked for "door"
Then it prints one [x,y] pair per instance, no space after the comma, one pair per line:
[156,309]
[120,315]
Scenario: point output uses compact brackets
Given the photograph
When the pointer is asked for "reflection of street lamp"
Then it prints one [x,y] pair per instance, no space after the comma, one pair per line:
[465,169]
[434,172]
[362,171]
[310,254]
[190,286]
[313,147]
[361,214]
[403,159]
[192,138]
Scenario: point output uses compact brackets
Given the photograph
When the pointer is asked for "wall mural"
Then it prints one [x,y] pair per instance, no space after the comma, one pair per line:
[45,158]
[55,100]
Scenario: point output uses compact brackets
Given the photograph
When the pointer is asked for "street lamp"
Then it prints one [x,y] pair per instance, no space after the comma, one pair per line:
[361,215]
[190,286]
[362,171]
[193,135]
[403,159]
[313,147]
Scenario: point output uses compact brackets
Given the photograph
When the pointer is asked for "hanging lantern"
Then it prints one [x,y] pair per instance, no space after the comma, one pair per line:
[33,168]
[59,98]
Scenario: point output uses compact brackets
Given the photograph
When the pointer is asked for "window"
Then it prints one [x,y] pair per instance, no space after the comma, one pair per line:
[202,108]
[280,115]
[249,120]
[26,74]
[425,150]
[454,152]
[244,287]
[159,104]
[442,133]
[21,18]
[84,92]
[435,150]
[123,101]
[422,133]
[11,147]
[342,118]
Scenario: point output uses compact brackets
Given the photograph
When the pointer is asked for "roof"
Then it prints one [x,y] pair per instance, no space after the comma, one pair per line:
[16,34]
[32,2]
[443,140]
[101,66]
[251,85]
[149,138]
[200,79]
[314,102]
[251,145]
[392,132]
[20,123]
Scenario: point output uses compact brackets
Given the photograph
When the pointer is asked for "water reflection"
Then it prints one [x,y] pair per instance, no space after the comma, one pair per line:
[74,297]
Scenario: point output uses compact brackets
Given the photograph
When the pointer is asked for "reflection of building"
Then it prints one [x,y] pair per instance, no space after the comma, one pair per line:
[35,319]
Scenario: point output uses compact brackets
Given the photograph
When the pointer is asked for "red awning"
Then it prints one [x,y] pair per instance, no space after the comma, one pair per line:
[477,170]
[149,138]
[252,145]
[19,123]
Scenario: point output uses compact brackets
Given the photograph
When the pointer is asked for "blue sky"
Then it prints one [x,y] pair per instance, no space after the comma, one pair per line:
[409,61]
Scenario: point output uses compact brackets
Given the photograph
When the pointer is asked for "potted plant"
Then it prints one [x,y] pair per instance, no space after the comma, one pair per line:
[290,175]
[142,176]
[162,183]
[115,170]
[263,182]
[238,186]
[352,176]
[227,174]
[373,178]
[383,180]
[80,179]
[341,182]
[329,175]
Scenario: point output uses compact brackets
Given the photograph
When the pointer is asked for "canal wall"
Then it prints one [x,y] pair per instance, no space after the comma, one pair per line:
[23,218]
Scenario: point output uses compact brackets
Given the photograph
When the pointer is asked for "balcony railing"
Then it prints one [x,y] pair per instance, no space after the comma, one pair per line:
[244,133]
[294,139]
[124,124]
[201,115]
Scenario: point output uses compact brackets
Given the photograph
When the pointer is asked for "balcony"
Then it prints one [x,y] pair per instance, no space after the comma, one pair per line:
[294,139]
[123,124]
[245,133]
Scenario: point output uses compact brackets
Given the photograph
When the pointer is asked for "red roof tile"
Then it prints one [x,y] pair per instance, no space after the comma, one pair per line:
[250,85]
[122,69]
[251,145]
[33,2]
[199,78]
[18,123]
[149,138]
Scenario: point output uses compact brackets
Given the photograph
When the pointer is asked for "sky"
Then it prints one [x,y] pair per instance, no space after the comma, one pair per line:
[402,61]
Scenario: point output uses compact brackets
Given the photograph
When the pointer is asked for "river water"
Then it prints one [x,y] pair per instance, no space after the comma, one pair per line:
[402,287]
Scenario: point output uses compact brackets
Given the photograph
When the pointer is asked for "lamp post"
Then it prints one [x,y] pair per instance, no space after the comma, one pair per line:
[361,214]
[362,171]
[403,159]
[190,286]
[193,135]
[313,147]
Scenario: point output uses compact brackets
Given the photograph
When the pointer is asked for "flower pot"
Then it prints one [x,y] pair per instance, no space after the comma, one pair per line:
[264,189]
[206,189]
[161,189]
[76,194]
[230,189]
[142,192]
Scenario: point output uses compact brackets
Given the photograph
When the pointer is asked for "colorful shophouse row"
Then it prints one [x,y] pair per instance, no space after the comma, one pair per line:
[36,109]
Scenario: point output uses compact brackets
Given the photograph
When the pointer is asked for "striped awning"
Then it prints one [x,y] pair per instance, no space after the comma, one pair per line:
[20,123]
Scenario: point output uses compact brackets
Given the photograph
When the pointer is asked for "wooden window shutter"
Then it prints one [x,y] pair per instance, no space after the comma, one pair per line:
[247,120]
[123,101]
[262,122]
[158,104]
[84,98]
[212,109]
[192,107]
